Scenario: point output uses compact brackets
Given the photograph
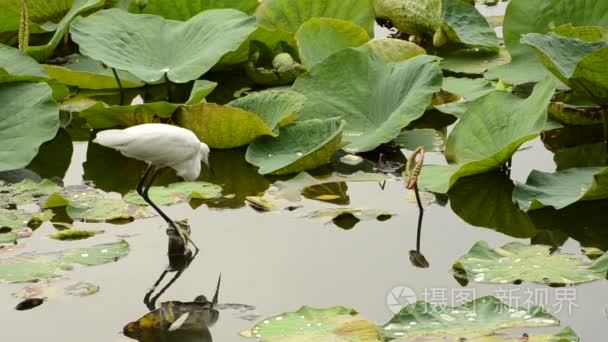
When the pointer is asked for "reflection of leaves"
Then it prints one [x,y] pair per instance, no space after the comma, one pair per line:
[515,262]
[54,156]
[582,156]
[335,193]
[485,201]
[347,218]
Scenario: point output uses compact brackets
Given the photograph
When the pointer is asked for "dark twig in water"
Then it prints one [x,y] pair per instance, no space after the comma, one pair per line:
[168,84]
[119,83]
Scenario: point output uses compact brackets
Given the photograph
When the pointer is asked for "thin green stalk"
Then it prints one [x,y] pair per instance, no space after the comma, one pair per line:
[122,91]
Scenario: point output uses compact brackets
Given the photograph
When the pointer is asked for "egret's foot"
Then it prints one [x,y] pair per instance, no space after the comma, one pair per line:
[183,229]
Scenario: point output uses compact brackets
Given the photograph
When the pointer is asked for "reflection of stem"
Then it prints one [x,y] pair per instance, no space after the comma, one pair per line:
[420,215]
[122,91]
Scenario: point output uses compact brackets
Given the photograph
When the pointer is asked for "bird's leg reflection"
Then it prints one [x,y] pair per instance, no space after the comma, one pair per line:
[178,263]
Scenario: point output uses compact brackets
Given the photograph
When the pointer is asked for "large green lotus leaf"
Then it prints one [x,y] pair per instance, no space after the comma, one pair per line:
[101,115]
[177,193]
[493,192]
[582,65]
[467,89]
[516,261]
[31,267]
[28,117]
[43,52]
[87,73]
[319,38]
[25,191]
[151,47]
[289,15]
[443,20]
[221,126]
[395,50]
[376,97]
[338,323]
[185,9]
[488,134]
[270,38]
[547,14]
[16,65]
[480,318]
[300,146]
[562,188]
[275,107]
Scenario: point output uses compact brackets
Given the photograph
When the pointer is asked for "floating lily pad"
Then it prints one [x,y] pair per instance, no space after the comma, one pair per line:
[195,45]
[347,218]
[87,73]
[480,318]
[100,115]
[222,126]
[488,134]
[395,50]
[300,146]
[515,262]
[16,65]
[53,289]
[443,20]
[74,234]
[17,218]
[309,324]
[200,90]
[28,117]
[289,15]
[562,188]
[547,14]
[43,52]
[32,267]
[318,38]
[377,98]
[186,9]
[276,108]
[25,191]
[177,193]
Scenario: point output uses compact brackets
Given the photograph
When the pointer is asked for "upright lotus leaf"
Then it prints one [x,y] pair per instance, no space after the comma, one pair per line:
[31,267]
[43,52]
[489,133]
[376,97]
[101,115]
[276,108]
[16,65]
[289,15]
[582,65]
[444,20]
[151,47]
[395,50]
[547,14]
[222,126]
[200,90]
[467,89]
[25,191]
[300,146]
[28,117]
[339,324]
[516,262]
[562,188]
[493,192]
[185,9]
[474,320]
[319,38]
[177,193]
[84,72]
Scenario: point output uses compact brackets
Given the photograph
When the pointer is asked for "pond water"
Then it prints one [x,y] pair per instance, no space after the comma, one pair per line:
[278,261]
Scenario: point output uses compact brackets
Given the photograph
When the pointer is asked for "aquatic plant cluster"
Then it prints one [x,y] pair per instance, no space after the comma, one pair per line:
[300,84]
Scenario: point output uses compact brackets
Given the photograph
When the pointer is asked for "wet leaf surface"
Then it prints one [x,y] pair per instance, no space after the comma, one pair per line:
[177,193]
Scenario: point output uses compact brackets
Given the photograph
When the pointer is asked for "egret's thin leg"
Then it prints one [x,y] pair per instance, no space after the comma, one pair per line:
[149,201]
[140,185]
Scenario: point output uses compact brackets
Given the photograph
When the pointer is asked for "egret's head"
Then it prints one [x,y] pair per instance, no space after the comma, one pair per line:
[205,154]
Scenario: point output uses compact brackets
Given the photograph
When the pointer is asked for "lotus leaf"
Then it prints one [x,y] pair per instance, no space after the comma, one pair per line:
[395,50]
[276,108]
[444,20]
[263,36]
[533,263]
[185,9]
[74,234]
[18,218]
[473,61]
[84,72]
[152,47]
[177,193]
[489,133]
[289,15]
[200,90]
[547,14]
[100,115]
[319,38]
[309,324]
[467,89]
[222,126]
[430,139]
[16,65]
[479,318]
[300,146]
[25,191]
[562,188]
[377,98]
[28,117]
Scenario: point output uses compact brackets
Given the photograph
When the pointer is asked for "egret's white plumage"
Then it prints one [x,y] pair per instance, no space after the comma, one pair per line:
[160,145]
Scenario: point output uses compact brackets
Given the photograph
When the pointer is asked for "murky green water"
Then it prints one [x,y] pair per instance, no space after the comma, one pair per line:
[278,261]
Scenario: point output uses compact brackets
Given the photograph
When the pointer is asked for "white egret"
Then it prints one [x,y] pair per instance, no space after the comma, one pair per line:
[159,145]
